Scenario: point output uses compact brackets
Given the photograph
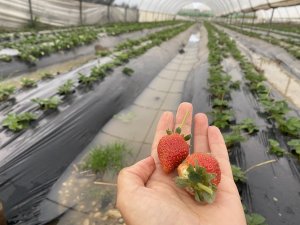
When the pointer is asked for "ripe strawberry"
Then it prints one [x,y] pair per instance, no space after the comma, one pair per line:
[200,175]
[172,149]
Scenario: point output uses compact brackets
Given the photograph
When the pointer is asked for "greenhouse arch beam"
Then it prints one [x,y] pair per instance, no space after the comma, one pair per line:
[172,6]
[179,4]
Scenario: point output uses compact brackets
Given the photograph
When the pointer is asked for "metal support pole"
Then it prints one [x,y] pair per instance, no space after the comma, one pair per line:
[270,22]
[243,19]
[108,12]
[230,21]
[80,12]
[253,18]
[30,12]
[125,14]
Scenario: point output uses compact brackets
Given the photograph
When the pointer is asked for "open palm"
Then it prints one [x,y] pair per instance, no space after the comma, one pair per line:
[148,196]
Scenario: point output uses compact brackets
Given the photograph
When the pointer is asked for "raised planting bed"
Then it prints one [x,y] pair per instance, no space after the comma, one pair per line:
[269,184]
[292,46]
[42,51]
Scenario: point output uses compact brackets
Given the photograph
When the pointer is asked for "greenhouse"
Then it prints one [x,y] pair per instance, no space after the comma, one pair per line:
[139,112]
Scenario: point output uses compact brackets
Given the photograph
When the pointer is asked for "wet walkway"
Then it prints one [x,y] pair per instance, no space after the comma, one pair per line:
[85,199]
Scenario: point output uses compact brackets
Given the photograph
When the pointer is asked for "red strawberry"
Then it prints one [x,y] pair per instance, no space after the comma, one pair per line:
[172,149]
[200,175]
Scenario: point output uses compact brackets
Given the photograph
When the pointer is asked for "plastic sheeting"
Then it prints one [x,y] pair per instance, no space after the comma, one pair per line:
[28,169]
[16,13]
[263,184]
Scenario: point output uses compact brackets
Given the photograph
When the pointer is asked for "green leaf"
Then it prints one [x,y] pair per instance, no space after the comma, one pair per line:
[233,138]
[17,122]
[275,148]
[255,219]
[6,92]
[66,88]
[249,126]
[295,145]
[48,103]
[238,174]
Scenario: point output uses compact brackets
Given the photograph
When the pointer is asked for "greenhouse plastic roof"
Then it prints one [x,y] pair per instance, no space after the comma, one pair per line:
[219,7]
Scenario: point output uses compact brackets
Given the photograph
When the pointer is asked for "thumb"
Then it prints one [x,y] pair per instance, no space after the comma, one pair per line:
[136,175]
[131,178]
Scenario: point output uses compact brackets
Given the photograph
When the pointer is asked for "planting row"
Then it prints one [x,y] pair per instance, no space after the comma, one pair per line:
[7,91]
[275,112]
[285,27]
[220,86]
[130,49]
[290,45]
[33,47]
[274,32]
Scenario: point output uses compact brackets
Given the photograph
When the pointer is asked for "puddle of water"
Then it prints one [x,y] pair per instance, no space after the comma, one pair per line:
[280,79]
[194,38]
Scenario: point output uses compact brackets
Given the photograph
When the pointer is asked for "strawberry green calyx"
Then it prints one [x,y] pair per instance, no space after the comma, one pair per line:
[178,129]
[197,181]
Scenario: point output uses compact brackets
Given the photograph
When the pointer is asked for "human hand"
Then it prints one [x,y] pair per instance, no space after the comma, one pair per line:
[148,196]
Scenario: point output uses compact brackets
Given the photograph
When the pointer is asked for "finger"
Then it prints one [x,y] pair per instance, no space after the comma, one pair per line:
[182,111]
[200,133]
[218,149]
[132,178]
[166,122]
[136,175]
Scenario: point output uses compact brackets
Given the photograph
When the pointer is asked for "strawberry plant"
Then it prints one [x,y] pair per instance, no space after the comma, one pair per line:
[102,158]
[103,53]
[108,67]
[249,126]
[238,174]
[128,71]
[47,76]
[220,103]
[222,119]
[295,146]
[123,57]
[258,87]
[117,62]
[17,122]
[274,148]
[235,85]
[67,88]
[47,103]
[28,83]
[233,138]
[5,58]
[86,80]
[276,108]
[98,72]
[6,92]
[290,126]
